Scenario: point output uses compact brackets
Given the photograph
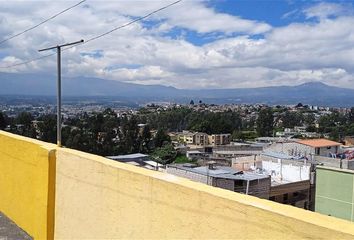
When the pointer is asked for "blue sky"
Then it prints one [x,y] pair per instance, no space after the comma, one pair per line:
[193,44]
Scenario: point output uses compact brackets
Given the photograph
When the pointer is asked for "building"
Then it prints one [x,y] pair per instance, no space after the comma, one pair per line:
[194,154]
[219,139]
[290,179]
[187,137]
[321,147]
[334,192]
[201,139]
[225,177]
[307,148]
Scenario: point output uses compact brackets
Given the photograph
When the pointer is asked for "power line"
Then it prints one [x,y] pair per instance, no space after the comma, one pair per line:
[134,21]
[41,23]
[98,36]
[29,61]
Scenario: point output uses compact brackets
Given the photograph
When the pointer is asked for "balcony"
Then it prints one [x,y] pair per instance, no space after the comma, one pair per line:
[59,193]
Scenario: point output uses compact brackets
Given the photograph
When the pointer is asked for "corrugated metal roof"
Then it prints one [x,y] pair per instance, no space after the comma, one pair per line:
[223,172]
[128,156]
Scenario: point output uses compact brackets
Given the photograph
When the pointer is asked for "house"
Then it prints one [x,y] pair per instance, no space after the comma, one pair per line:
[249,183]
[200,139]
[307,147]
[219,139]
[321,146]
[194,154]
[187,137]
[291,179]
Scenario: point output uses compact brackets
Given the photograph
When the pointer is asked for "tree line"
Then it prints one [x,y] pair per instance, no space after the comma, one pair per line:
[104,133]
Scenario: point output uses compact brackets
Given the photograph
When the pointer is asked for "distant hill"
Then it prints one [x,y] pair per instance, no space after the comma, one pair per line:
[314,93]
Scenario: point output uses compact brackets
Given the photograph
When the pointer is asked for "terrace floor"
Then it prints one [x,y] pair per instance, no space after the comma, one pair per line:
[10,231]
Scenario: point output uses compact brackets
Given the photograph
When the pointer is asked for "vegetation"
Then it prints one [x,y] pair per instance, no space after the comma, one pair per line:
[165,154]
[104,133]
[183,159]
[178,119]
[265,122]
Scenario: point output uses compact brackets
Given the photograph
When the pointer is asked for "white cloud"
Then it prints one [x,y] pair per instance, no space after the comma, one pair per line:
[293,54]
[324,10]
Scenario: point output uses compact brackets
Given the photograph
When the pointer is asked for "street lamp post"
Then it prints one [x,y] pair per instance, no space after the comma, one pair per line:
[58,48]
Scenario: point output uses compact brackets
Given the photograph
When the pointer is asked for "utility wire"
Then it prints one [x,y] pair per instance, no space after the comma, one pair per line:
[41,23]
[130,23]
[98,36]
[29,61]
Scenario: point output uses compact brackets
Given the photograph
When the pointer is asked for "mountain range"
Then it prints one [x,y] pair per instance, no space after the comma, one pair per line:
[314,93]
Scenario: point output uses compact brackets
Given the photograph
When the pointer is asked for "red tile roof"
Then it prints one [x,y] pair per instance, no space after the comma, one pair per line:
[319,142]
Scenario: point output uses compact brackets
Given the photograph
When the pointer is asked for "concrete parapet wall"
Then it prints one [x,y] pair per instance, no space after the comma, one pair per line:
[27,176]
[104,199]
[97,198]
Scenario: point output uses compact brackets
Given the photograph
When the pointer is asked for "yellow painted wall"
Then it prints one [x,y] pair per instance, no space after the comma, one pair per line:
[27,175]
[98,198]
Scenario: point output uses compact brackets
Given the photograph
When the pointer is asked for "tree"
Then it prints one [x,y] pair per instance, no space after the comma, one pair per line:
[130,135]
[25,120]
[292,119]
[161,138]
[265,122]
[299,105]
[48,128]
[145,139]
[165,154]
[351,116]
[238,135]
[3,120]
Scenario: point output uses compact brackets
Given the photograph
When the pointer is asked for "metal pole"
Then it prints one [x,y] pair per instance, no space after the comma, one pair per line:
[58,48]
[59,97]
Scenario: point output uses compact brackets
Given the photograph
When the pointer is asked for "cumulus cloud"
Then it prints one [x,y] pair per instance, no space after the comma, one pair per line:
[247,53]
[325,10]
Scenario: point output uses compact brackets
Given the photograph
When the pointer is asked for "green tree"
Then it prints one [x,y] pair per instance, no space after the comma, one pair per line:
[161,138]
[48,128]
[165,154]
[24,119]
[265,122]
[3,120]
[130,135]
[351,116]
[145,139]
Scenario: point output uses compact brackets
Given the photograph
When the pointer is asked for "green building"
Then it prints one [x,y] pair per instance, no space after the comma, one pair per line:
[334,192]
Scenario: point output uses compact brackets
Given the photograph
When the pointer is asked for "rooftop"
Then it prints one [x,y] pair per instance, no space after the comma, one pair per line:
[222,172]
[319,142]
[9,230]
[128,156]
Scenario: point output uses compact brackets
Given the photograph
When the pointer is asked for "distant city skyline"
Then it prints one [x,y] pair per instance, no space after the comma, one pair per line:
[193,44]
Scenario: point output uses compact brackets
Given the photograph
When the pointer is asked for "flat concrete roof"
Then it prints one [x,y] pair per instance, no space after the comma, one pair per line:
[222,172]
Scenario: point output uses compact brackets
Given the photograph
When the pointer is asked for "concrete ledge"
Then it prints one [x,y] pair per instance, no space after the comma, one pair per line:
[27,184]
[132,202]
[93,197]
